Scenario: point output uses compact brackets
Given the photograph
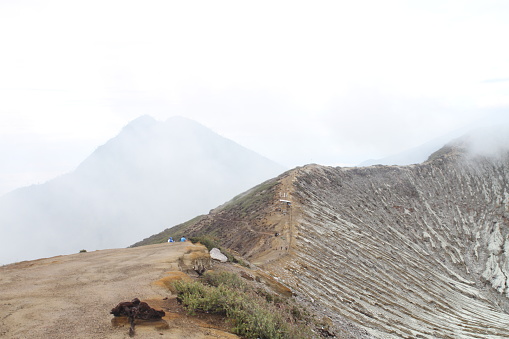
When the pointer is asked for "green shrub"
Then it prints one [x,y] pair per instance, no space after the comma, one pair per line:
[231,280]
[206,241]
[250,313]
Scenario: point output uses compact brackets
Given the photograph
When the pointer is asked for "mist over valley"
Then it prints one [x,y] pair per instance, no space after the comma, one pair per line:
[152,175]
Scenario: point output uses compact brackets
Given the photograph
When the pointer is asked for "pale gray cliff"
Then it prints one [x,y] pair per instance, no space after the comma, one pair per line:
[416,251]
[419,251]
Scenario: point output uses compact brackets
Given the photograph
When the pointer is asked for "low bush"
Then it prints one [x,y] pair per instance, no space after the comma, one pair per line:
[231,280]
[252,315]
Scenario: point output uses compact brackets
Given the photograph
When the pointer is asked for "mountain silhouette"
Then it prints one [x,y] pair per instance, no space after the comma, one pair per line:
[151,175]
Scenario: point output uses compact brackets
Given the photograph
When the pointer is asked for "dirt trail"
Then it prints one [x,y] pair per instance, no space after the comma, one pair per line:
[71,296]
[283,218]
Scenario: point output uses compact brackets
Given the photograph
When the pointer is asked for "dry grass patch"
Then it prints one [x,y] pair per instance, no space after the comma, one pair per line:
[172,277]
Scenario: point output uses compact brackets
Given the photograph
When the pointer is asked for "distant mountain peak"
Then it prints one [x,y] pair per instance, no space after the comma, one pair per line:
[180,122]
[150,175]
[148,124]
[144,120]
[140,124]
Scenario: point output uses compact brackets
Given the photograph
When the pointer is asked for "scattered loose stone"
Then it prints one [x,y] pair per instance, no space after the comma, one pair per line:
[216,254]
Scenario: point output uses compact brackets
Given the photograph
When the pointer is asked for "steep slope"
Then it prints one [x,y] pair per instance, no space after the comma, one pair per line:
[151,175]
[416,252]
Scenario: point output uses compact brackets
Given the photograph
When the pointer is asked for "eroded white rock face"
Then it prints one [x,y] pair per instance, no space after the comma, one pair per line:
[494,275]
[420,251]
[496,272]
[415,251]
[496,241]
[216,254]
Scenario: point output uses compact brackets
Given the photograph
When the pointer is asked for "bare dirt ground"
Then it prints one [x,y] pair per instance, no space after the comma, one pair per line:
[71,296]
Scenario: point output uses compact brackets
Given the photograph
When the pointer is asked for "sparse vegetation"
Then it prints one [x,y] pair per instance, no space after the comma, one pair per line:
[251,312]
[244,203]
[253,198]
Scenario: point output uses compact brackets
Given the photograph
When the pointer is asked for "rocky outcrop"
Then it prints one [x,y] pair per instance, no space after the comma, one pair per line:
[216,254]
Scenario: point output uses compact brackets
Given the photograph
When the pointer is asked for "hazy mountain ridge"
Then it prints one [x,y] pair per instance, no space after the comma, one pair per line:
[413,251]
[152,174]
[411,156]
[483,138]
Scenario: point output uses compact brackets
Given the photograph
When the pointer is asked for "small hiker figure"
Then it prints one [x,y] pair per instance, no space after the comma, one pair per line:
[183,239]
[171,239]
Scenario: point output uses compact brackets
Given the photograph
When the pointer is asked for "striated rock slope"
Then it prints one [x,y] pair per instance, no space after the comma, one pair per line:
[420,251]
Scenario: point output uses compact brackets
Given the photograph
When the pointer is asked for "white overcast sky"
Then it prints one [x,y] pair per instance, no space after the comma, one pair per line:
[328,82]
